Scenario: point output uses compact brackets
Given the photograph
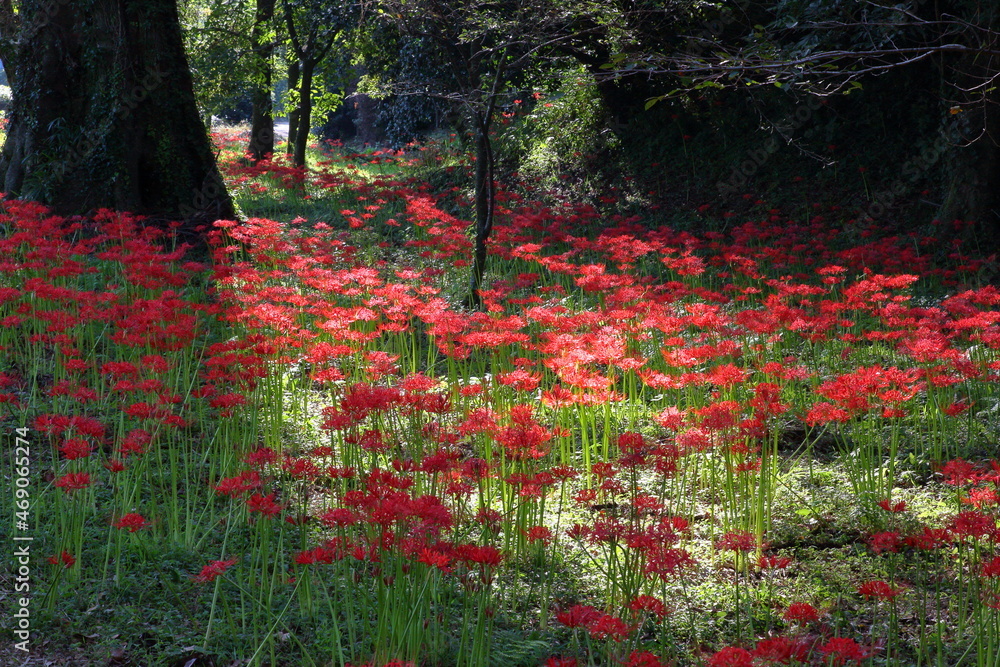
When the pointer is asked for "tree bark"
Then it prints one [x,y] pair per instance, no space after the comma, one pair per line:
[294,70]
[262,121]
[304,118]
[104,116]
[485,194]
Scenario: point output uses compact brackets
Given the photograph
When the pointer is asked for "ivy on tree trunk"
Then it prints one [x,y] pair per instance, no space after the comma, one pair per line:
[103,114]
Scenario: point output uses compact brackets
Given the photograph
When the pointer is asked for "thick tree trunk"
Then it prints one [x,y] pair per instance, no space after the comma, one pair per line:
[262,123]
[973,189]
[294,70]
[485,193]
[104,116]
[304,114]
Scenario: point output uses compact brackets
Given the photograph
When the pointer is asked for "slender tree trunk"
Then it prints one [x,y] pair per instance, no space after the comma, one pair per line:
[485,194]
[104,116]
[294,70]
[262,124]
[305,113]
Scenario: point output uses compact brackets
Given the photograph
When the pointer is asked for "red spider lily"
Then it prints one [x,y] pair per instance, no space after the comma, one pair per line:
[264,505]
[73,481]
[878,590]
[781,650]
[75,448]
[666,562]
[435,559]
[556,661]
[134,442]
[959,473]
[541,534]
[214,569]
[649,603]
[895,508]
[65,558]
[578,616]
[237,486]
[261,458]
[731,656]
[843,649]
[991,568]
[737,540]
[928,539]
[606,626]
[321,554]
[644,659]
[982,497]
[774,562]
[132,521]
[885,541]
[801,612]
[973,524]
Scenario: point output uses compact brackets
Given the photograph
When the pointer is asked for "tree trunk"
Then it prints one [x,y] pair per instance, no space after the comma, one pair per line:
[294,70]
[104,116]
[972,192]
[304,114]
[262,123]
[485,205]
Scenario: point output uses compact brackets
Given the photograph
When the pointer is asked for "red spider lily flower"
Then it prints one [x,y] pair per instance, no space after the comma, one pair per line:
[928,539]
[650,604]
[132,522]
[737,540]
[263,504]
[338,517]
[991,568]
[65,558]
[842,649]
[261,458]
[973,524]
[485,556]
[115,465]
[888,506]
[237,486]
[135,442]
[644,659]
[982,497]
[956,408]
[214,569]
[666,562]
[556,661]
[774,562]
[731,656]
[801,612]
[73,481]
[578,616]
[435,559]
[878,590]
[958,472]
[75,448]
[781,650]
[606,626]
[539,534]
[885,541]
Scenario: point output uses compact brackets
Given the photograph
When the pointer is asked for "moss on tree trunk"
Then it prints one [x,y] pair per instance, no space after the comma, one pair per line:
[104,116]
